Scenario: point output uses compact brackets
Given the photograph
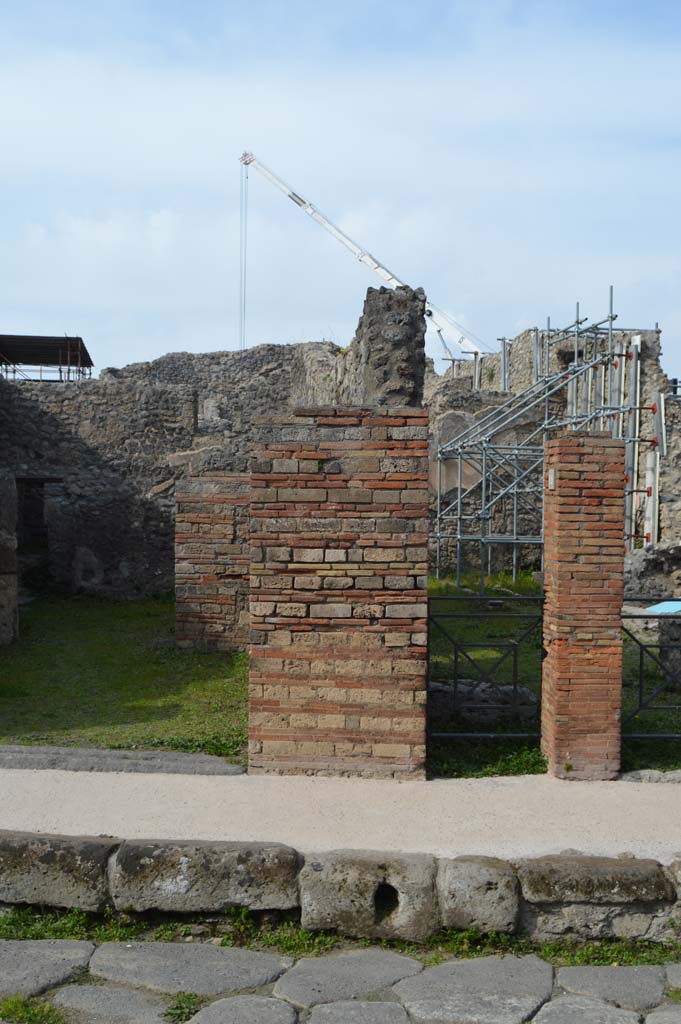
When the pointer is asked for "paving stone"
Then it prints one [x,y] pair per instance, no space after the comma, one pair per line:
[583,1010]
[58,871]
[343,977]
[674,975]
[488,990]
[109,1004]
[379,895]
[633,988]
[170,967]
[358,1013]
[246,1010]
[478,892]
[190,877]
[29,967]
[665,1015]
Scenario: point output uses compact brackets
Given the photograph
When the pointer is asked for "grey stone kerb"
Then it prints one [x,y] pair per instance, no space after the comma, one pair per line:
[356,893]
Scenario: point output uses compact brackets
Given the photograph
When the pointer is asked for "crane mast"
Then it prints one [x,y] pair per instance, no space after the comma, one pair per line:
[440,320]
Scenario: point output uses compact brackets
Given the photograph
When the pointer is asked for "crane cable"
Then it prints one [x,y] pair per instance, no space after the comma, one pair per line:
[243,250]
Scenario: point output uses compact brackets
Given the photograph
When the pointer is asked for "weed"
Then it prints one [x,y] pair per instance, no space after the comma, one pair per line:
[33,923]
[608,953]
[183,1007]
[18,1010]
[287,937]
[674,994]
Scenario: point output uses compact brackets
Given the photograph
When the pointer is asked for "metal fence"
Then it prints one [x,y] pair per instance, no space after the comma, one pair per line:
[651,677]
[485,654]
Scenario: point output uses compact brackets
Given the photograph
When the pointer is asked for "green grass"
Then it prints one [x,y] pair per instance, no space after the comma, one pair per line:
[480,759]
[248,930]
[17,1010]
[34,923]
[93,672]
[287,937]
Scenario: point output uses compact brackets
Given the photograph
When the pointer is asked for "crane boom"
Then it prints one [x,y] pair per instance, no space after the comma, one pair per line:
[441,321]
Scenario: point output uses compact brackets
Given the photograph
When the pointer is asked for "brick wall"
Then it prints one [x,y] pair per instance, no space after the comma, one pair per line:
[338,593]
[9,606]
[211,562]
[583,576]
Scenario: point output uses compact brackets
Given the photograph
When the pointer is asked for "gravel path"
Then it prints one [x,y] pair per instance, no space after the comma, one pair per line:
[510,818]
[135,983]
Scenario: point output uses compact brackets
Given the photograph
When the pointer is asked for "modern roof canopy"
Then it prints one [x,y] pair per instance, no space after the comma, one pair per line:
[39,350]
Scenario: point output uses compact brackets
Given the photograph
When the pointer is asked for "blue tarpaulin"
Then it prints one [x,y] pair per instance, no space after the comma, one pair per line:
[665,608]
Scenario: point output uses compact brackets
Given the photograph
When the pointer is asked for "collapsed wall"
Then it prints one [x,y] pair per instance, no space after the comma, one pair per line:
[101,458]
[8,559]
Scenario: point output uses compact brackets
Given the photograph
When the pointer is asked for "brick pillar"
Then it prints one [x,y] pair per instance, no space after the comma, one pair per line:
[211,562]
[339,527]
[583,578]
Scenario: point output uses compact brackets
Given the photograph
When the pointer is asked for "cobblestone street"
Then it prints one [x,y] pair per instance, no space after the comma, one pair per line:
[136,983]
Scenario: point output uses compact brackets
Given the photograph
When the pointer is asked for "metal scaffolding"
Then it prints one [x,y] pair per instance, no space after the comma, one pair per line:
[490,477]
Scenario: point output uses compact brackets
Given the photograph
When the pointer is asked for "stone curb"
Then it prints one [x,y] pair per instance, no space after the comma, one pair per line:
[357,893]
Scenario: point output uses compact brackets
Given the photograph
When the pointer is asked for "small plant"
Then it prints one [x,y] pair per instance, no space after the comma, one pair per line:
[674,994]
[183,1007]
[292,940]
[18,1010]
[33,923]
[288,937]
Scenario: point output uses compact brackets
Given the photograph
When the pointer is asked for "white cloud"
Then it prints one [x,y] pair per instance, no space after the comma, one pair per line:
[509,182]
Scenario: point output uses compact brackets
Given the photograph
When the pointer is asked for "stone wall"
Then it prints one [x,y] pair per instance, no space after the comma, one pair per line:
[544,898]
[111,450]
[338,593]
[8,559]
[211,562]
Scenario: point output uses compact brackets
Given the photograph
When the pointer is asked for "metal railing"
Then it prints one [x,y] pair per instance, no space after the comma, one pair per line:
[485,654]
[651,677]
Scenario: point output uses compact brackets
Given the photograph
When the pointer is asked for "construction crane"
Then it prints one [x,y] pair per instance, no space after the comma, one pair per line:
[468,343]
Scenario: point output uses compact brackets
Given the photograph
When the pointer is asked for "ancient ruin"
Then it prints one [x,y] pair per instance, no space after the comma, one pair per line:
[289,496]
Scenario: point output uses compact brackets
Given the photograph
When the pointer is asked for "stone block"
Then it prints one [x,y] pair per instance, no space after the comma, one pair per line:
[188,877]
[330,611]
[478,892]
[109,1004]
[604,880]
[406,611]
[584,1010]
[171,967]
[57,871]
[632,988]
[595,898]
[370,894]
[246,1010]
[29,967]
[356,1012]
[487,990]
[351,976]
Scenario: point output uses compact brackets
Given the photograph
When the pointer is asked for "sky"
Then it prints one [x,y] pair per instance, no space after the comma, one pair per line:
[510,157]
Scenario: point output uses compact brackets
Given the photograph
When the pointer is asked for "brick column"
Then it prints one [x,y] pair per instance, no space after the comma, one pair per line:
[339,523]
[583,577]
[211,562]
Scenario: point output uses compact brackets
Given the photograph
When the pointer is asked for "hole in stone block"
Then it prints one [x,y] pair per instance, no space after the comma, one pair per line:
[386,900]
